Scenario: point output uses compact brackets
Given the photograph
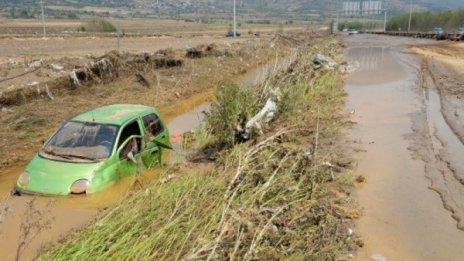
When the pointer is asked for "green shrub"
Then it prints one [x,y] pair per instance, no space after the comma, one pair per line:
[100,25]
[232,106]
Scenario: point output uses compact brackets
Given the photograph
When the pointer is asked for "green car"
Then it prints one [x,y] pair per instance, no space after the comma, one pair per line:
[95,150]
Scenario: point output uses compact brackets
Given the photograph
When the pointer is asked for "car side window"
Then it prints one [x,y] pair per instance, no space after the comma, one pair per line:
[129,130]
[134,145]
[152,125]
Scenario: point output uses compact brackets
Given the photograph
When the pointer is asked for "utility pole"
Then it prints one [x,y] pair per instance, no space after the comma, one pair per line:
[385,22]
[43,18]
[235,21]
[410,15]
[118,33]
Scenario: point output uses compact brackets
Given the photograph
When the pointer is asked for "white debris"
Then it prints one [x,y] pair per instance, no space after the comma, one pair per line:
[267,112]
[6,110]
[378,257]
[323,61]
[73,76]
[36,64]
[33,83]
[328,164]
[350,231]
[57,67]
[49,93]
[331,167]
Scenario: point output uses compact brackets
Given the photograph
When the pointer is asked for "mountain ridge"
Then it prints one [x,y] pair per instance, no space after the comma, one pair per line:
[248,9]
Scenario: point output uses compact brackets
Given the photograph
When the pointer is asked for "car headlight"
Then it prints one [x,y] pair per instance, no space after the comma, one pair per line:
[80,186]
[24,179]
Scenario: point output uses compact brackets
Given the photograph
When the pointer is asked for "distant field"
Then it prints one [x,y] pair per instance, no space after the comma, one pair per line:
[142,26]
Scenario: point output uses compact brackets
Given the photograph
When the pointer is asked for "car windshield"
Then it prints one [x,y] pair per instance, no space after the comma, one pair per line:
[87,141]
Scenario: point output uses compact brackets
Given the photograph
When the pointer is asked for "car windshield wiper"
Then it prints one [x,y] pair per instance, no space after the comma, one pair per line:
[51,152]
[68,156]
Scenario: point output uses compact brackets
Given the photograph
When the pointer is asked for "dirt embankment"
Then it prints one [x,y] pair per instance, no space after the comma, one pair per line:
[445,65]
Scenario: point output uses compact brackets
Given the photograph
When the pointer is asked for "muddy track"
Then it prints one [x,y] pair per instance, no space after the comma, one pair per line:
[410,156]
[441,146]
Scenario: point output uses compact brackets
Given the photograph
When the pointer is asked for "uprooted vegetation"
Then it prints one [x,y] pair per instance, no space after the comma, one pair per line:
[102,70]
[279,195]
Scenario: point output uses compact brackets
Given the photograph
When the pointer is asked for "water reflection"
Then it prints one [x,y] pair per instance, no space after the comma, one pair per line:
[376,65]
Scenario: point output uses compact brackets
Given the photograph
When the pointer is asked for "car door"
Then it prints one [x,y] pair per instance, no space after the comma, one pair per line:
[130,140]
[154,133]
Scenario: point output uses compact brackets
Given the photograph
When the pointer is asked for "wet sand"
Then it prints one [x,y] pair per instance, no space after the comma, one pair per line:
[403,218]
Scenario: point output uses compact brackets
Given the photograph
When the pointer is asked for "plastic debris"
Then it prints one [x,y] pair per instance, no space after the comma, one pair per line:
[73,76]
[378,257]
[36,64]
[49,93]
[323,61]
[57,67]
[267,112]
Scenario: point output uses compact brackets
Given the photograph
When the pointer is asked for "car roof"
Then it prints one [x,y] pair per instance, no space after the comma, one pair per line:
[116,114]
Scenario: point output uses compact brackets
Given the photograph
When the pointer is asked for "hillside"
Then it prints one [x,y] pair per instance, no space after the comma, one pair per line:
[247,9]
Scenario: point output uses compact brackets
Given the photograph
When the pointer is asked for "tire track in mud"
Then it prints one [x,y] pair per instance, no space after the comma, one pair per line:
[439,146]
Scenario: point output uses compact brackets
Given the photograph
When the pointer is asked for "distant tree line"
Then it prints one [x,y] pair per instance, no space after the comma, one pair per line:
[426,21]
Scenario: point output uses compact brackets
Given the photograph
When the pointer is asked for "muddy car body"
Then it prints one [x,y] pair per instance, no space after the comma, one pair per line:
[96,149]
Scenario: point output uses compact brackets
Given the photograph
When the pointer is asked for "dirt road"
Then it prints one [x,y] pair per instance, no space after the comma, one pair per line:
[410,155]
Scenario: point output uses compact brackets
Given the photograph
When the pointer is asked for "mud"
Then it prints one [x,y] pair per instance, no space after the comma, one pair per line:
[407,152]
[444,165]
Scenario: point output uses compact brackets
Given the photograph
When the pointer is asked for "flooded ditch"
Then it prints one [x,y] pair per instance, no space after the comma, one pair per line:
[405,149]
[58,216]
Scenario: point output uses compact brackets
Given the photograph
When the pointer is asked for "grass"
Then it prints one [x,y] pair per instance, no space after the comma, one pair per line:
[99,25]
[147,230]
[266,199]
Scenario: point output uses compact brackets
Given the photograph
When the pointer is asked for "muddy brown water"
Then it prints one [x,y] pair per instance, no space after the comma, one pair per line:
[60,216]
[413,198]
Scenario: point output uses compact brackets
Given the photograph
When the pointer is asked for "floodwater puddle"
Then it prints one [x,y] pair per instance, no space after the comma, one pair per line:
[403,219]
